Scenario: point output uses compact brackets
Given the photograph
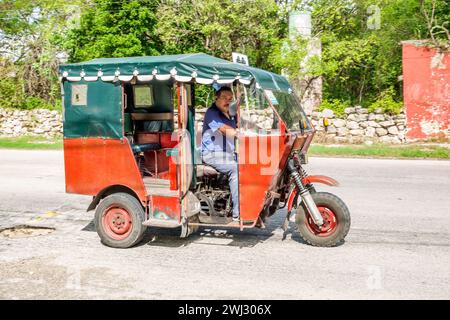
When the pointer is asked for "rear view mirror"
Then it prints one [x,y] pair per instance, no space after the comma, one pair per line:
[303,125]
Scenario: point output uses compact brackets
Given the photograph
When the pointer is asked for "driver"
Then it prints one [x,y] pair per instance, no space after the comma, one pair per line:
[219,131]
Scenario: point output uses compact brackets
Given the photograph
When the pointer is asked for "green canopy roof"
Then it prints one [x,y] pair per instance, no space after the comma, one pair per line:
[198,67]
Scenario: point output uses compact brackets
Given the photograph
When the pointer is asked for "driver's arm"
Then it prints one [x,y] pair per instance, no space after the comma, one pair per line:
[228,131]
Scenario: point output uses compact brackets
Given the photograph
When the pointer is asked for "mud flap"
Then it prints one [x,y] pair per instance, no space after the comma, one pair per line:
[285,225]
[186,228]
[191,213]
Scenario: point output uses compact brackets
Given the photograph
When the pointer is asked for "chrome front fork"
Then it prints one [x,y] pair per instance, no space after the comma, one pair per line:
[305,194]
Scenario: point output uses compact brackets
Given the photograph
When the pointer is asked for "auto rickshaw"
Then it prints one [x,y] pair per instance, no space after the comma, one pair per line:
[131,141]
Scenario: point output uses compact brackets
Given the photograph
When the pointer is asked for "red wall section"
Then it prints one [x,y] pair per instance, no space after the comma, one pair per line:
[426,77]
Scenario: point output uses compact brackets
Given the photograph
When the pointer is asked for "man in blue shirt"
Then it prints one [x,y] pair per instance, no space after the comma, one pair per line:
[219,131]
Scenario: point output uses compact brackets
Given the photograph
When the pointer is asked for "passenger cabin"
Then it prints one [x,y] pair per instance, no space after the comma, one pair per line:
[130,122]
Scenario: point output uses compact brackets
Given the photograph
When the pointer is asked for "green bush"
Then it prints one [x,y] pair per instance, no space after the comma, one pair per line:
[387,103]
[11,93]
[336,105]
[38,103]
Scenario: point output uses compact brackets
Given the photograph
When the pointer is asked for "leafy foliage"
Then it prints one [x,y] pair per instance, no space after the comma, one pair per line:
[386,103]
[336,105]
[29,60]
[360,64]
[362,61]
[111,28]
[220,27]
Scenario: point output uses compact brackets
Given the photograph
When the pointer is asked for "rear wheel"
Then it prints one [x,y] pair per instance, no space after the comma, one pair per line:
[118,220]
[336,218]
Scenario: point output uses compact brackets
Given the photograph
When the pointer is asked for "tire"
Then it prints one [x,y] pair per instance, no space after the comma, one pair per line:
[118,221]
[336,217]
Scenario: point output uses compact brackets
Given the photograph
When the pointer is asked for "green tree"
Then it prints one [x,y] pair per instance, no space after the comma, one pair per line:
[221,27]
[29,52]
[360,64]
[361,46]
[111,28]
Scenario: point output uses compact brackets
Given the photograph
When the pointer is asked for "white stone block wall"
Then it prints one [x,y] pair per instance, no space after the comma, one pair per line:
[357,126]
[38,122]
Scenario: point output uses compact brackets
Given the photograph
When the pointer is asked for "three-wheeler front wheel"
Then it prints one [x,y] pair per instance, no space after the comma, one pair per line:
[118,220]
[336,218]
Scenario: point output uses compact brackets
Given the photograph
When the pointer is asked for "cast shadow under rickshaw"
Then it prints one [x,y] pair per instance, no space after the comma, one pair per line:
[249,238]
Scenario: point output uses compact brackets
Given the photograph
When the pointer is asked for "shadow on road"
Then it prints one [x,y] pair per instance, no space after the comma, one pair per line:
[170,238]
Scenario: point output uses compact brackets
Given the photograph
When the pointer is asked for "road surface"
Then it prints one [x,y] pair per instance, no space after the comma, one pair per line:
[398,246]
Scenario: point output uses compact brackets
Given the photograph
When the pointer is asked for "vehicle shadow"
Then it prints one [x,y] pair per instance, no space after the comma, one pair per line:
[170,238]
[207,236]
[247,238]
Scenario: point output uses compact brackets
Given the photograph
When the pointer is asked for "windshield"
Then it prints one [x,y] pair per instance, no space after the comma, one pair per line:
[289,109]
[256,115]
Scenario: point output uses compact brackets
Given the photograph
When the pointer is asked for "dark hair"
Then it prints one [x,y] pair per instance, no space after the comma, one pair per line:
[223,89]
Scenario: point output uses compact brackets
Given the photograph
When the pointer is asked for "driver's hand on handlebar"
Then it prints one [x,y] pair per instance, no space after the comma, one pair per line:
[229,131]
[234,132]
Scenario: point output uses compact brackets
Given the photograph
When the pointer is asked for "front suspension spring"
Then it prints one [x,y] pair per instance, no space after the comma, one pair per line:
[296,176]
[303,172]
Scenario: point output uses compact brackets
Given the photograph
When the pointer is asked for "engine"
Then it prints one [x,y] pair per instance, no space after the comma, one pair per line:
[214,195]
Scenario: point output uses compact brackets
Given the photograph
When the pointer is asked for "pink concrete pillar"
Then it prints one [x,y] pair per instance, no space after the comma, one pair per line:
[426,80]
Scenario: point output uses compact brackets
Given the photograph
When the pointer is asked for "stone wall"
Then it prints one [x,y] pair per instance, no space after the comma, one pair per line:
[261,118]
[36,122]
[359,126]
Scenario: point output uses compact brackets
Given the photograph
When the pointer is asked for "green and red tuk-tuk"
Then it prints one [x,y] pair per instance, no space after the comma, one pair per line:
[131,140]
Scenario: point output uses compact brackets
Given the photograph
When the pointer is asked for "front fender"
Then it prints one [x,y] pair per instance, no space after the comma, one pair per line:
[310,180]
[321,179]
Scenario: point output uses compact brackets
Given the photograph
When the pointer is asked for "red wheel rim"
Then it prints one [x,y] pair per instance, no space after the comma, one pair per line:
[117,222]
[329,223]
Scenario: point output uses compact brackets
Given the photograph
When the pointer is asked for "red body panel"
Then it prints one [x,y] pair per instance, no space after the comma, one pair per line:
[93,164]
[259,170]
[169,205]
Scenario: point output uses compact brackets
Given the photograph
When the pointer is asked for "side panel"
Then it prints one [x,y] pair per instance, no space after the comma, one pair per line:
[94,164]
[166,206]
[260,164]
[93,109]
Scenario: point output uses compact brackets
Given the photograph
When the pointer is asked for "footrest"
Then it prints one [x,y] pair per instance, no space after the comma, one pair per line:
[161,223]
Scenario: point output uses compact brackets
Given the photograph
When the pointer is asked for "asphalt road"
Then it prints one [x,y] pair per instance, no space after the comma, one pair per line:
[398,246]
